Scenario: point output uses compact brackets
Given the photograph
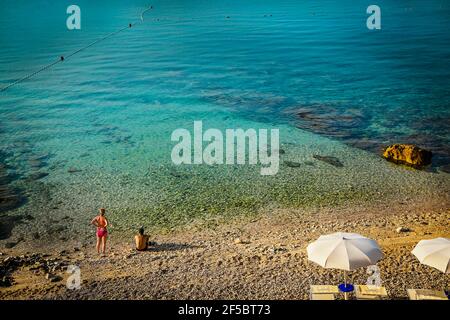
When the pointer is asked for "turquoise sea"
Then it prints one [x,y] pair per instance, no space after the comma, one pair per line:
[95,129]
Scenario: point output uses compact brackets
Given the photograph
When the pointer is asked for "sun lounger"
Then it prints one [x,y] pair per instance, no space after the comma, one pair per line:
[364,292]
[425,294]
[322,296]
[323,292]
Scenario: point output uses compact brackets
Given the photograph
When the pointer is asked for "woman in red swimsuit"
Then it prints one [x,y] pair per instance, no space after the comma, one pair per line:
[102,234]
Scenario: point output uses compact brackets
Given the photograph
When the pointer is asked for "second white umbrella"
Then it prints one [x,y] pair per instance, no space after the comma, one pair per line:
[434,253]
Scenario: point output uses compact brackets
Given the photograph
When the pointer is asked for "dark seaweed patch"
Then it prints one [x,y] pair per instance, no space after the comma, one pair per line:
[10,198]
[7,224]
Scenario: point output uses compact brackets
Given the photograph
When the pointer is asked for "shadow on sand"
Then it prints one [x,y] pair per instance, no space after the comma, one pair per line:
[159,247]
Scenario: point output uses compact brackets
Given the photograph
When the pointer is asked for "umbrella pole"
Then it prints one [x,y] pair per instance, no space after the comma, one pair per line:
[345,284]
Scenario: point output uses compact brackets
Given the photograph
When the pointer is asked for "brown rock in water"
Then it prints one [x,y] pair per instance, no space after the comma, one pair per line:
[407,154]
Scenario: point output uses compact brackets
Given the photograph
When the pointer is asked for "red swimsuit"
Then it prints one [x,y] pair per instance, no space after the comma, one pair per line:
[101,229]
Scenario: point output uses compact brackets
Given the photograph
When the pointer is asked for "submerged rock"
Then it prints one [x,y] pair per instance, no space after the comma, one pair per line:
[330,160]
[407,154]
[292,164]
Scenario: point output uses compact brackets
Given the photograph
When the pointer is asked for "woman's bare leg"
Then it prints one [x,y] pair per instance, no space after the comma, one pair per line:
[104,244]
[98,244]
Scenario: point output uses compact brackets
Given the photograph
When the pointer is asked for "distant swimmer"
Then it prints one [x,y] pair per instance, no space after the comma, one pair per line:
[102,234]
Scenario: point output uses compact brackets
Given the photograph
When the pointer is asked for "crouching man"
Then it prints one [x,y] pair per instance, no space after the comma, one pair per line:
[141,240]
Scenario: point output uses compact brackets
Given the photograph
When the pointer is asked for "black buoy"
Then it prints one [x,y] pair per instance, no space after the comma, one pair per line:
[130,25]
[61,58]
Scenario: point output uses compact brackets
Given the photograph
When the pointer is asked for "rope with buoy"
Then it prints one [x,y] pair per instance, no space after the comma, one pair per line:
[63,58]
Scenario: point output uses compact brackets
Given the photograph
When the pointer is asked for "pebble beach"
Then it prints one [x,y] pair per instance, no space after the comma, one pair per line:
[262,258]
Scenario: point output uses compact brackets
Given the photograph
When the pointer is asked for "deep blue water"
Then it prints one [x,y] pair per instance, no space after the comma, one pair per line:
[265,61]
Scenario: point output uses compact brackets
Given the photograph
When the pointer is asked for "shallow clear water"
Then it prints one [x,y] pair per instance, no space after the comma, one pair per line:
[108,112]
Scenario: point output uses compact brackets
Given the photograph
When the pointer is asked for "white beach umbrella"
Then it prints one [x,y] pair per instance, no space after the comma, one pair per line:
[345,251]
[434,253]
